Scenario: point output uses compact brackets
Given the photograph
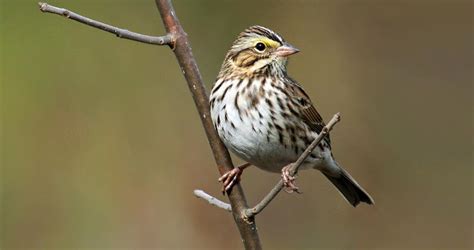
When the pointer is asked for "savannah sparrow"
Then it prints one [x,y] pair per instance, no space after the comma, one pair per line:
[266,118]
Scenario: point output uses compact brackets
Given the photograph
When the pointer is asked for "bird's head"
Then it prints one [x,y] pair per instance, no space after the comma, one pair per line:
[258,50]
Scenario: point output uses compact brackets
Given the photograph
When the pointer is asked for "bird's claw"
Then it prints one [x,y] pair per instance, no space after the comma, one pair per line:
[289,181]
[230,178]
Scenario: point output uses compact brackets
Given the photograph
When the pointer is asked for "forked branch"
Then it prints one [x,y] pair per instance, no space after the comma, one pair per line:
[178,41]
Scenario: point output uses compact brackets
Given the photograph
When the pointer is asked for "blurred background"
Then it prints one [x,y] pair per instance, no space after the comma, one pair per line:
[101,145]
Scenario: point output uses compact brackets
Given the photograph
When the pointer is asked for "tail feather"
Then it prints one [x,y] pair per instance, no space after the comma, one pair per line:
[350,189]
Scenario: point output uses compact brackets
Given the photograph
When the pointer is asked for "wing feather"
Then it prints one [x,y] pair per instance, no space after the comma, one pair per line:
[308,113]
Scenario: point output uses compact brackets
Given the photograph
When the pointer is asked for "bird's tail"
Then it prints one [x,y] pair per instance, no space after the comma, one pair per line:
[350,189]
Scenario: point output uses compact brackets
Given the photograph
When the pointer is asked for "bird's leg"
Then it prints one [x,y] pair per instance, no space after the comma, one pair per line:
[288,180]
[230,178]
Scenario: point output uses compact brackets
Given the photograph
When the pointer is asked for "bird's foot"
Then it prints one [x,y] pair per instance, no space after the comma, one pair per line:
[232,177]
[288,180]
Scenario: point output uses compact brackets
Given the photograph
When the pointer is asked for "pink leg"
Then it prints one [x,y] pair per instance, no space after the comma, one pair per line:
[288,180]
[230,178]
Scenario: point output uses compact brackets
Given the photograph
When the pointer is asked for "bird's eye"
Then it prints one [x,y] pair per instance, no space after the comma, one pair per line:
[260,47]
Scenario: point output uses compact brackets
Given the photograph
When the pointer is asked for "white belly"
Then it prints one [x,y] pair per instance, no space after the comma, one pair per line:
[257,145]
[245,128]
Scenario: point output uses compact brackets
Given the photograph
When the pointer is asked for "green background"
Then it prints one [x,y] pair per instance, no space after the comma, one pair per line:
[101,145]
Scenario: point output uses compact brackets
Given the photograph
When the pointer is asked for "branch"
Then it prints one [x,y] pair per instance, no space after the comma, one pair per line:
[178,41]
[122,33]
[251,212]
[212,200]
[184,55]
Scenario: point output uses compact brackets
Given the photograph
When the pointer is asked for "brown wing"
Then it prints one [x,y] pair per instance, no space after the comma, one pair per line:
[309,115]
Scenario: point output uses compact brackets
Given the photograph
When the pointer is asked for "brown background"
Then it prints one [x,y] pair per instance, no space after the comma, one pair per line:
[102,147]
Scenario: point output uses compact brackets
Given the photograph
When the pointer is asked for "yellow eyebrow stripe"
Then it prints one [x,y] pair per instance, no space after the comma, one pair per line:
[268,42]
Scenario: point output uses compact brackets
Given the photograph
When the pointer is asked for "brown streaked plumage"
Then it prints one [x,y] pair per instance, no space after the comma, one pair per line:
[266,118]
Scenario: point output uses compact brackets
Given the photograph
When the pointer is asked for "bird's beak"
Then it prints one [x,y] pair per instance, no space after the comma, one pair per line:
[286,50]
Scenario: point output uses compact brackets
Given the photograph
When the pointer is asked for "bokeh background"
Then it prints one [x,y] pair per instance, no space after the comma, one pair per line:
[101,145]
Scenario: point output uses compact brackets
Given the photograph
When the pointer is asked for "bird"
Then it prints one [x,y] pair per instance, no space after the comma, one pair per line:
[266,118]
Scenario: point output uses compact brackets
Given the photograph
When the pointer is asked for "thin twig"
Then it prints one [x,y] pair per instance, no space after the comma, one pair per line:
[251,212]
[122,33]
[212,200]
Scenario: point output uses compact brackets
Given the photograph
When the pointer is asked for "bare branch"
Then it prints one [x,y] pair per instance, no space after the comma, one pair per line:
[212,200]
[121,33]
[177,39]
[182,50]
[251,212]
